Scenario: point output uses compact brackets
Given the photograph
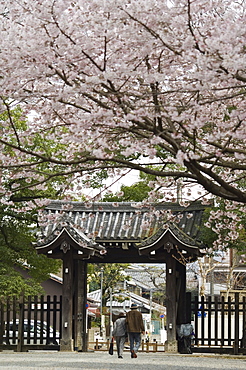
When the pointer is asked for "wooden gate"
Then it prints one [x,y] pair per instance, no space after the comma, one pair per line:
[219,325]
[34,323]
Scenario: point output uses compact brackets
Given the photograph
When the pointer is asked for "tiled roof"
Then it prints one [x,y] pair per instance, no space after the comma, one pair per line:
[123,233]
[105,222]
[80,241]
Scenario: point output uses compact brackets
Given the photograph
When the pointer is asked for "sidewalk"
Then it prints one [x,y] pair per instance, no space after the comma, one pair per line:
[103,361]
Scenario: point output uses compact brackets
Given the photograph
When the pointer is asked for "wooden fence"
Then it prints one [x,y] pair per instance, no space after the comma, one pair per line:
[219,325]
[32,323]
[35,323]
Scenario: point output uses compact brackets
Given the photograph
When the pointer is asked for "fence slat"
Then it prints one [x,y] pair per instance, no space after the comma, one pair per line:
[54,317]
[21,324]
[48,316]
[216,321]
[222,320]
[236,323]
[196,303]
[203,321]
[14,319]
[229,320]
[41,319]
[243,340]
[35,319]
[209,303]
[28,309]
[2,324]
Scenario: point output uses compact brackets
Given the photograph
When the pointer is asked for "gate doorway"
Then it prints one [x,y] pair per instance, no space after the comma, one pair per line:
[105,233]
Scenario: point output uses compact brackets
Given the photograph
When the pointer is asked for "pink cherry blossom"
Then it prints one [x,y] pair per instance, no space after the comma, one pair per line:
[157,87]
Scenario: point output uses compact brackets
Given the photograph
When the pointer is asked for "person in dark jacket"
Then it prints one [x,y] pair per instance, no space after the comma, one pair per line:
[119,333]
[135,326]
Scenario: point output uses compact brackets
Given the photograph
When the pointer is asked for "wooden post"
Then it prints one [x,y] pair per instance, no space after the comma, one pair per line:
[1,321]
[75,305]
[67,302]
[236,324]
[243,341]
[142,345]
[181,297]
[188,306]
[21,324]
[171,304]
[81,340]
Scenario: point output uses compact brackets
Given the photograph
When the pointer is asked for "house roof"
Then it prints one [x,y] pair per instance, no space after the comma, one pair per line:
[96,228]
[129,299]
[139,276]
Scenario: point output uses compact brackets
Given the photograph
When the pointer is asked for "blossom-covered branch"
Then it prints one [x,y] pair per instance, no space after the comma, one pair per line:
[117,85]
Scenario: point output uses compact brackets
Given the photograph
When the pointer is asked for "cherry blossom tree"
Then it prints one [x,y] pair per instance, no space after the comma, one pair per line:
[154,86]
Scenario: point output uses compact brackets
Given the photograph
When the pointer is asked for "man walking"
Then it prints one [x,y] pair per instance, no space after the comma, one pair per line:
[119,332]
[135,326]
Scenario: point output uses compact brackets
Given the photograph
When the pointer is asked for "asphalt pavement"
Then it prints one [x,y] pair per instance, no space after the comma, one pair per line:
[103,361]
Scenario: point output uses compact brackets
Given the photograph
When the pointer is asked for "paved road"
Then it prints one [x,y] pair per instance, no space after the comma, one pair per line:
[103,361]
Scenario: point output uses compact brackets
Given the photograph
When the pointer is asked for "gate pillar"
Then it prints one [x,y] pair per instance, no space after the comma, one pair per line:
[67,299]
[182,315]
[171,344]
[80,300]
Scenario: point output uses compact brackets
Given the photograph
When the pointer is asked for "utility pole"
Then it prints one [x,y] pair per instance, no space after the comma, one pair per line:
[101,307]
[110,314]
[150,312]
